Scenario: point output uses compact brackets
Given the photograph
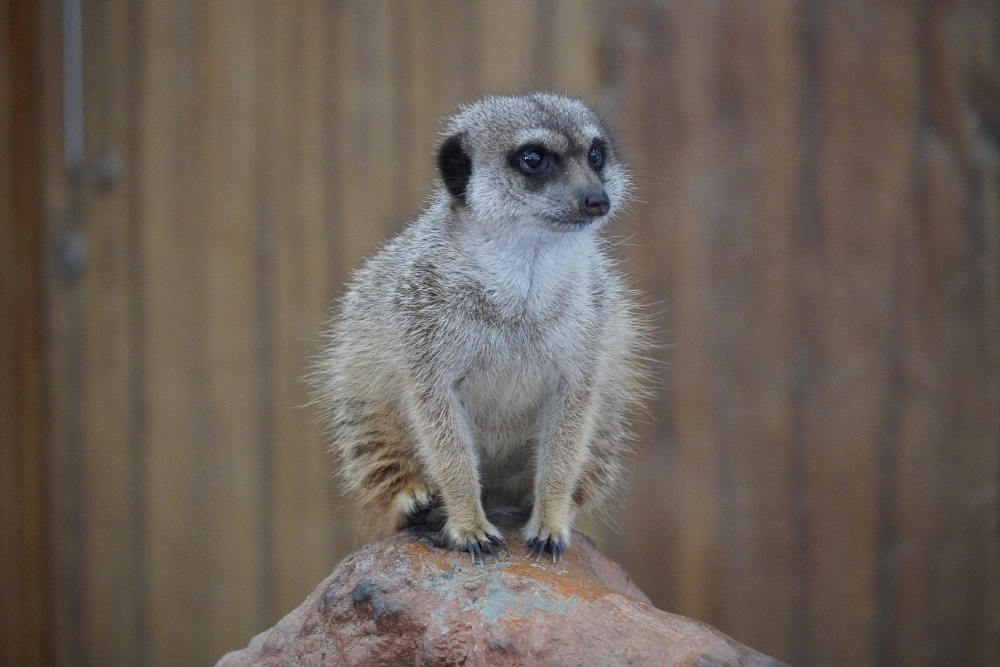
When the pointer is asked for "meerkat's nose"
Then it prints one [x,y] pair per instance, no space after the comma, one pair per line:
[595,203]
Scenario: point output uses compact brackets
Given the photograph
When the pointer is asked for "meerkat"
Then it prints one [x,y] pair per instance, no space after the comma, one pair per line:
[489,355]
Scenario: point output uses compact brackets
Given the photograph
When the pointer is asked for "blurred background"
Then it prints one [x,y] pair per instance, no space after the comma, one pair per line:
[186,186]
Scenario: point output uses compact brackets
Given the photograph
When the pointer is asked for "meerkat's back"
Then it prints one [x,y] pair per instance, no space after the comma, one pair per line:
[488,355]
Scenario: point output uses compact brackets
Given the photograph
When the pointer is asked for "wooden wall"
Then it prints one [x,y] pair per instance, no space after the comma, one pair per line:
[817,226]
[24,571]
[825,464]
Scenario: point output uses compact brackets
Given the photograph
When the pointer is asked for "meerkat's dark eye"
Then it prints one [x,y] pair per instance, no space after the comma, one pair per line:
[532,159]
[596,156]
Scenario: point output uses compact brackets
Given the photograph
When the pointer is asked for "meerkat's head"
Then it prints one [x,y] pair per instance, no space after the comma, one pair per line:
[540,159]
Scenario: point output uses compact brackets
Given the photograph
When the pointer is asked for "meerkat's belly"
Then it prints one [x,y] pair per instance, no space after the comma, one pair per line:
[503,402]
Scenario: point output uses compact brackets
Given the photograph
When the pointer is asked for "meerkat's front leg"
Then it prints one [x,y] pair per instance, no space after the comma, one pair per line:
[567,427]
[445,447]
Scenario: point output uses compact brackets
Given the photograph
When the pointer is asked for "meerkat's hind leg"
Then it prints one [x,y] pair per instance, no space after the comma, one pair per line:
[422,515]
[418,504]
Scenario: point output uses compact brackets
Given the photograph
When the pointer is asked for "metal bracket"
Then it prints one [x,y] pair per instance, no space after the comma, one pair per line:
[101,171]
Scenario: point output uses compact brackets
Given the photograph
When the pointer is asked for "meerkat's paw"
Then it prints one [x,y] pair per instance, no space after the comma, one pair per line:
[477,542]
[415,505]
[540,540]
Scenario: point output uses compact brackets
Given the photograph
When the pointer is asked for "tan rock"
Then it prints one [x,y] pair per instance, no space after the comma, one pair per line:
[404,601]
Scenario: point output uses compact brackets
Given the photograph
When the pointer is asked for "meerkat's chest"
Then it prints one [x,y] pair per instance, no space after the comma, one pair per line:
[526,329]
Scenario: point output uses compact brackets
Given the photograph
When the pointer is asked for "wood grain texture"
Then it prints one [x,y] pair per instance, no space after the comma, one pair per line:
[507,44]
[64,315]
[817,227]
[818,165]
[25,570]
[293,296]
[204,471]
[112,631]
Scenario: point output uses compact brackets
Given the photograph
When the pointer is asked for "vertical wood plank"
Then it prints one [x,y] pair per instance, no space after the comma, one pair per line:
[114,625]
[64,381]
[750,203]
[294,196]
[367,131]
[866,61]
[700,533]
[203,474]
[575,45]
[941,588]
[174,374]
[25,613]
[506,55]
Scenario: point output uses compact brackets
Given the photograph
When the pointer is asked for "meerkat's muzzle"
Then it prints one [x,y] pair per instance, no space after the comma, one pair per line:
[595,203]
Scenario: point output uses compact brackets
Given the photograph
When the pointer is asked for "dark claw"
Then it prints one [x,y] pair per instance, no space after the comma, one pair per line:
[472,546]
[498,541]
[479,548]
[488,547]
[537,546]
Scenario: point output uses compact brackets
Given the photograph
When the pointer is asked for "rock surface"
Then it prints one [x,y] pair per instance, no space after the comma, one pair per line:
[404,601]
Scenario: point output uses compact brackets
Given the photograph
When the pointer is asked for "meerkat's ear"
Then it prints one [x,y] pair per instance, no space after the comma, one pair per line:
[455,166]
